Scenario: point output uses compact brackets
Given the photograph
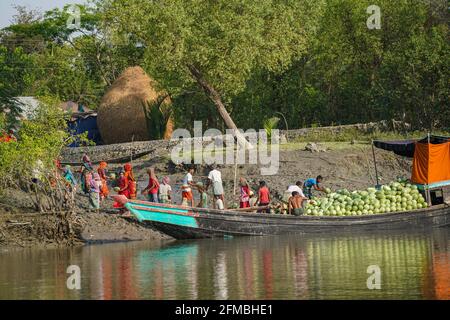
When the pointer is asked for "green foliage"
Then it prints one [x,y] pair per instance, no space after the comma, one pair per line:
[314,61]
[14,79]
[347,135]
[39,140]
[269,125]
[225,40]
[157,115]
[351,74]
[64,75]
[72,64]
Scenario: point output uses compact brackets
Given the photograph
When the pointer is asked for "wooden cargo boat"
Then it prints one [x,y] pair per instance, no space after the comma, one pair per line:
[186,223]
[190,223]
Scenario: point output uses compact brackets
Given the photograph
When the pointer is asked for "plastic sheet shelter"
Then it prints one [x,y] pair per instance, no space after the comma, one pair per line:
[431,157]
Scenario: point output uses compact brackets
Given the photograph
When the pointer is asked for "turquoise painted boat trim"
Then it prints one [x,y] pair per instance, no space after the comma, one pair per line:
[433,185]
[169,218]
[156,207]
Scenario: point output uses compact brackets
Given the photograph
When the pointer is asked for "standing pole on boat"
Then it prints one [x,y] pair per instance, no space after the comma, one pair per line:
[235,175]
[427,189]
[375,164]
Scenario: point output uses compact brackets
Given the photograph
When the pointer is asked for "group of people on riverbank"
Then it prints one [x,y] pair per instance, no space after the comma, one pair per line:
[95,184]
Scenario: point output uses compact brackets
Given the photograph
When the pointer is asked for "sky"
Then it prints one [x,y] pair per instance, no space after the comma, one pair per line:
[7,11]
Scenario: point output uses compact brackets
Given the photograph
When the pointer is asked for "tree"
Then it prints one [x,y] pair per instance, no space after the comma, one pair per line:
[352,74]
[15,77]
[40,141]
[217,44]
[72,63]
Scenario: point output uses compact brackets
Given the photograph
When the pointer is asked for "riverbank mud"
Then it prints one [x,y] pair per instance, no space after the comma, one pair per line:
[343,165]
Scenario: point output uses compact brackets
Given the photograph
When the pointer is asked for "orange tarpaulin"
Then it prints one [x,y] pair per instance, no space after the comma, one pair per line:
[431,162]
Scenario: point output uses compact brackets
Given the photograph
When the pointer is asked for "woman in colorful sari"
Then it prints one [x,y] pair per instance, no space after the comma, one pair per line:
[85,175]
[131,181]
[122,184]
[94,192]
[104,192]
[86,161]
[71,183]
[68,175]
[244,198]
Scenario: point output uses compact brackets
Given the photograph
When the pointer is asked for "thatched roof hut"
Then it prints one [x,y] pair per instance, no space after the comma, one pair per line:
[121,116]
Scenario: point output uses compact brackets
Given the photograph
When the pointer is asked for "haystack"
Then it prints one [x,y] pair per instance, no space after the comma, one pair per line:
[121,116]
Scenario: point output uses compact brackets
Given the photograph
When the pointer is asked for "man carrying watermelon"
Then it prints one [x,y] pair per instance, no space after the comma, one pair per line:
[311,184]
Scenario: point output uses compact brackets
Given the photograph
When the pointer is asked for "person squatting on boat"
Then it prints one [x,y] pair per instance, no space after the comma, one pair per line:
[296,203]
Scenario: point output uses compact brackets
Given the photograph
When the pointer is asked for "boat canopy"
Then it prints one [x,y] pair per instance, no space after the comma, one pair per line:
[431,157]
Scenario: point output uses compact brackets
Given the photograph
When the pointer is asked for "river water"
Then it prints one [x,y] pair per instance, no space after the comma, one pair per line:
[411,266]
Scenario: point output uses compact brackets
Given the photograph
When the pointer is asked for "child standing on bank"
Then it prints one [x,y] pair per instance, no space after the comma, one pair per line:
[165,191]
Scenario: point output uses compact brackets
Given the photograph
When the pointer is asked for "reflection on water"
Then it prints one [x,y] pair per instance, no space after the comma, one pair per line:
[413,266]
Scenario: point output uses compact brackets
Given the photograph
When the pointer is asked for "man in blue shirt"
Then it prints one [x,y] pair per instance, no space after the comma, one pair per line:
[311,184]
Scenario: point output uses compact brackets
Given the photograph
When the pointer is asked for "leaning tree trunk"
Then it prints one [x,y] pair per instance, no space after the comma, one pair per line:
[217,100]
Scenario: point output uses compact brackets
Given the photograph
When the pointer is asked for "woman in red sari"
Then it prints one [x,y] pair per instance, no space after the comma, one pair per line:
[122,189]
[131,181]
[123,185]
[104,191]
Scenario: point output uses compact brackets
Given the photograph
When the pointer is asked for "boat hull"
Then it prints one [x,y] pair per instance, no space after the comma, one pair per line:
[191,223]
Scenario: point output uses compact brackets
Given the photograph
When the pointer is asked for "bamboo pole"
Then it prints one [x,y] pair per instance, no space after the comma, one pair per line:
[427,192]
[235,178]
[375,164]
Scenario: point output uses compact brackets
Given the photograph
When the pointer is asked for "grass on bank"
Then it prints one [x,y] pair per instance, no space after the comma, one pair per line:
[345,139]
[348,135]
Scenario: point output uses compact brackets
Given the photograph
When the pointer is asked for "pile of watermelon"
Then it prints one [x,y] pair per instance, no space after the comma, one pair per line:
[396,196]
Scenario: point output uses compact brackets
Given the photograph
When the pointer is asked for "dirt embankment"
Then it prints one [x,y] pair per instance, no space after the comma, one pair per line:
[20,226]
[343,165]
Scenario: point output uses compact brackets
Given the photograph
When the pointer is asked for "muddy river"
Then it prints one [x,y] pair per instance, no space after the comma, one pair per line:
[375,266]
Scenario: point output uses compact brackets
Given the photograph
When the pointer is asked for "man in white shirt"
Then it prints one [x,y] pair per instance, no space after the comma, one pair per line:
[297,187]
[215,178]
